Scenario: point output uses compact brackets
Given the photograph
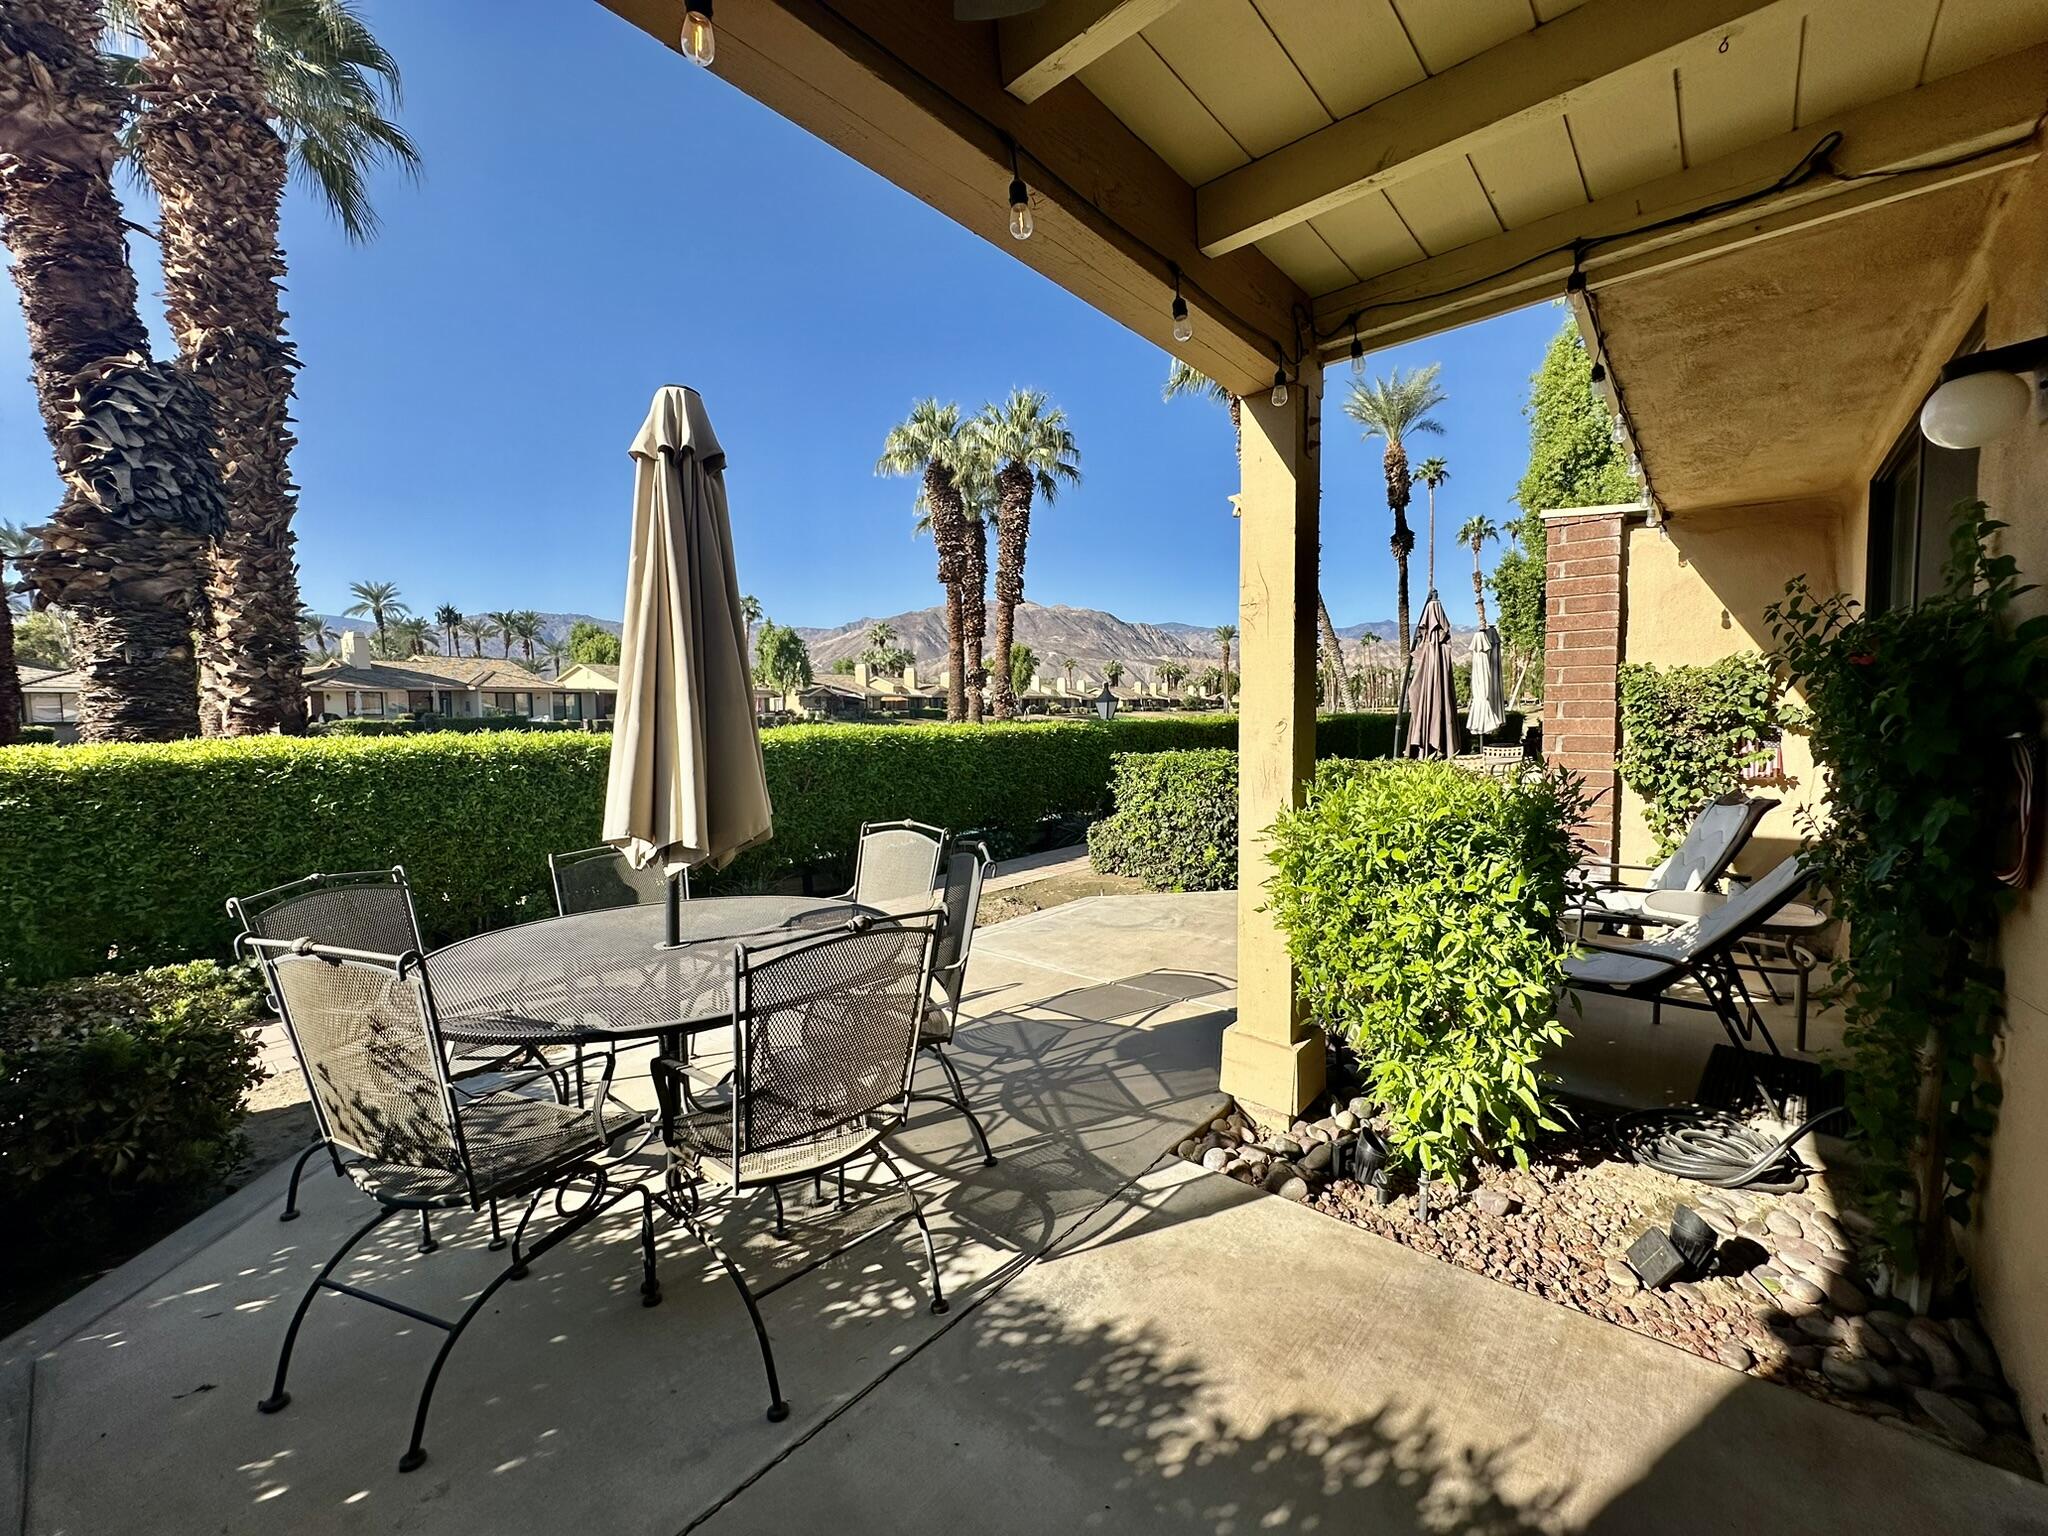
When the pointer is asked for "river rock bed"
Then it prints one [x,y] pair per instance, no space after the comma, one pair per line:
[1785,1304]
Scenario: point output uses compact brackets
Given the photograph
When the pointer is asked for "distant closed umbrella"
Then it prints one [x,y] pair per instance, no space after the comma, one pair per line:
[1488,711]
[686,786]
[1432,687]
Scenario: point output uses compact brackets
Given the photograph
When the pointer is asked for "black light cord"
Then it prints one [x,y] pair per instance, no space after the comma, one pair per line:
[1709,1146]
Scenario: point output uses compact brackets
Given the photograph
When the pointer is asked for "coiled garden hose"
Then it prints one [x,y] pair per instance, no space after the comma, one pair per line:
[1709,1146]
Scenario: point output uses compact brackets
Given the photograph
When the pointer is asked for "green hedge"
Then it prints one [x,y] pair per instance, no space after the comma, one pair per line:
[36,736]
[1175,822]
[122,1089]
[122,855]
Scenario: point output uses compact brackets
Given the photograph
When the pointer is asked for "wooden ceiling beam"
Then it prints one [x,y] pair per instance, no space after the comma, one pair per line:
[1057,41]
[919,99]
[1440,119]
[1981,122]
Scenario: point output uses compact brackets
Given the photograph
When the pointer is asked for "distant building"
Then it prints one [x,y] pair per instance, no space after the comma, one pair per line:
[353,685]
[50,697]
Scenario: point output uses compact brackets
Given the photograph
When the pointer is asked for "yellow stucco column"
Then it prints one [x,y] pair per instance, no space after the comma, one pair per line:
[1272,1058]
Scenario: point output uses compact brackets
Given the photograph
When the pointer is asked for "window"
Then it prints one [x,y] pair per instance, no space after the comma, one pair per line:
[1912,501]
[606,703]
[53,709]
[520,704]
[568,706]
[420,702]
[373,706]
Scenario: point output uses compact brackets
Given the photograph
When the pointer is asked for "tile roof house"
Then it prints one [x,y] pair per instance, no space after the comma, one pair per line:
[356,685]
[49,697]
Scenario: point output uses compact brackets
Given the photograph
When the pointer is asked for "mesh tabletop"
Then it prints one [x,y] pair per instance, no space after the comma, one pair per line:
[596,976]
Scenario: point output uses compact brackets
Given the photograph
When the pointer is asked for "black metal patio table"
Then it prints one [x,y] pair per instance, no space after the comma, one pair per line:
[605,977]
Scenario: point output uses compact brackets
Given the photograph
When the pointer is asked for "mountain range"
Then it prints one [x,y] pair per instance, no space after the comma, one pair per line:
[1054,632]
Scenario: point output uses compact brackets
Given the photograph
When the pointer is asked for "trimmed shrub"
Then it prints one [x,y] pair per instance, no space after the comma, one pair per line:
[1422,904]
[409,725]
[1175,822]
[36,736]
[120,1088]
[1173,733]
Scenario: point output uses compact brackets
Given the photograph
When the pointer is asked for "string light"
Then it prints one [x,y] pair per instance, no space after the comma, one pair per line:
[1280,385]
[700,38]
[1183,325]
[1021,223]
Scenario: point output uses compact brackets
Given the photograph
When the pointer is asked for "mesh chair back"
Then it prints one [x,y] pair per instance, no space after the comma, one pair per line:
[1738,917]
[898,862]
[827,1033]
[364,1030]
[595,879]
[966,868]
[1711,843]
[369,910]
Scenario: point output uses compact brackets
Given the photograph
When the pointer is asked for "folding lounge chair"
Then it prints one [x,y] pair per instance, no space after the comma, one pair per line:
[1717,835]
[1702,952]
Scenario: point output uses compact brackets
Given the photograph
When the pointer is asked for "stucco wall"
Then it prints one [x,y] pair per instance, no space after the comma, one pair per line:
[2011,1251]
[1697,590]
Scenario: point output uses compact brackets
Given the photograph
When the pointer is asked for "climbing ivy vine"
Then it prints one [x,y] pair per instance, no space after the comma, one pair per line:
[1914,716]
[1688,732]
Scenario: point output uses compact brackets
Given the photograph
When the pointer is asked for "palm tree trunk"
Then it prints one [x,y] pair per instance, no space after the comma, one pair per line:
[974,612]
[1478,587]
[126,547]
[949,521]
[1013,534]
[219,171]
[10,675]
[1340,687]
[1402,543]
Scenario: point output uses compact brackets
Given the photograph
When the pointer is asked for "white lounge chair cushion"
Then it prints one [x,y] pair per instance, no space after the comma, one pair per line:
[1616,968]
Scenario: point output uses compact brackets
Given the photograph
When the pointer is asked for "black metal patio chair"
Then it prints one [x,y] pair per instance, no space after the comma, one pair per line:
[369,1043]
[825,1039]
[598,879]
[1704,953]
[367,909]
[966,867]
[897,862]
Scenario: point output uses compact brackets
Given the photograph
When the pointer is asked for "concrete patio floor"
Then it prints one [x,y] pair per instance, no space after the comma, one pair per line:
[1133,1346]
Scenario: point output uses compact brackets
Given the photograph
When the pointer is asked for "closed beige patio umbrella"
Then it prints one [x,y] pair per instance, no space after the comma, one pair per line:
[686,785]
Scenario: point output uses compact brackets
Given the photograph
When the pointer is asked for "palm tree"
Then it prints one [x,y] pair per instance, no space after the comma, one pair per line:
[975,473]
[1476,533]
[1432,472]
[410,636]
[377,601]
[505,626]
[1067,665]
[229,98]
[1113,673]
[1171,675]
[525,627]
[926,443]
[1185,380]
[448,619]
[554,649]
[1030,440]
[1369,671]
[1225,633]
[125,551]
[314,628]
[478,628]
[15,542]
[1390,409]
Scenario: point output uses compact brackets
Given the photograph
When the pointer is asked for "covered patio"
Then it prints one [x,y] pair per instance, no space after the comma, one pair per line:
[1136,1345]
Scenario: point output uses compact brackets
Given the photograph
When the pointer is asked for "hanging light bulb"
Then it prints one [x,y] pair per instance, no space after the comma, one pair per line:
[1183,324]
[1020,209]
[700,38]
[1279,386]
[1357,352]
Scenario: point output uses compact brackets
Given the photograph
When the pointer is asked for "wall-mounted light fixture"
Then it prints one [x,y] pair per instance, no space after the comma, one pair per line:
[1984,395]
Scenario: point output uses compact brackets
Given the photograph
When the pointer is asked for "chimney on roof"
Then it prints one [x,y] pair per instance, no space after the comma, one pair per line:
[861,673]
[355,648]
[910,677]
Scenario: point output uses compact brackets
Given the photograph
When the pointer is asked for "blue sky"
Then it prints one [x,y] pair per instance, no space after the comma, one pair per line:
[596,218]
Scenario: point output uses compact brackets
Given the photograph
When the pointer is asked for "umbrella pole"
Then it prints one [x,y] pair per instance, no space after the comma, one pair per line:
[675,912]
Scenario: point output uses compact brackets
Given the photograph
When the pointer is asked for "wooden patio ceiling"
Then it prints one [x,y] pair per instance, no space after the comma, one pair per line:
[1317,171]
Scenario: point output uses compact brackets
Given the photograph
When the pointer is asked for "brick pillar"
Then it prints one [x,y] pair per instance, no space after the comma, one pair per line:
[1586,574]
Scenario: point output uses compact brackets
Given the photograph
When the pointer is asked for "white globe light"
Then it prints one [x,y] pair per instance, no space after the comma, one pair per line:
[1973,410]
